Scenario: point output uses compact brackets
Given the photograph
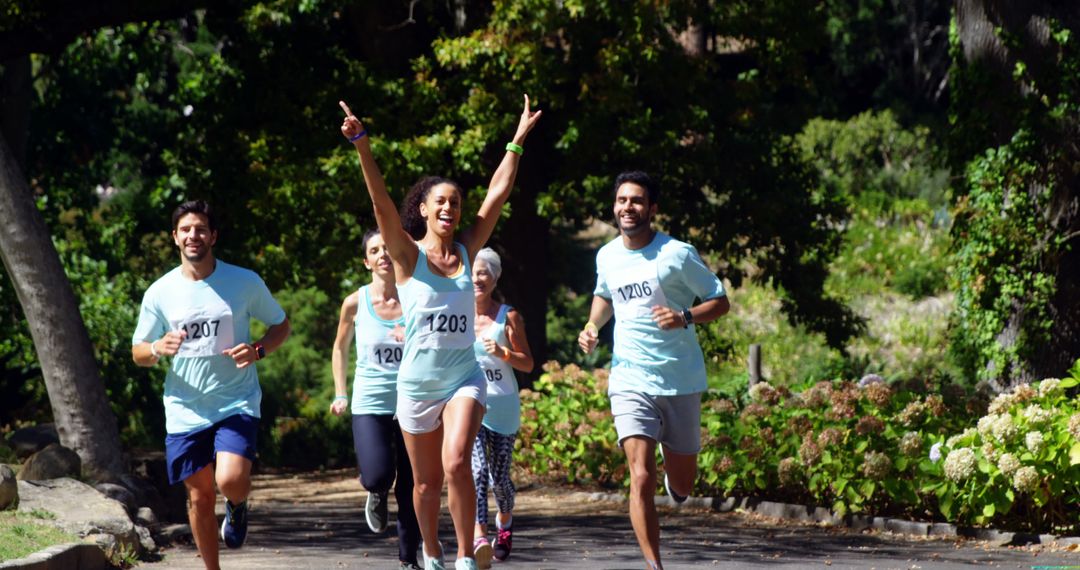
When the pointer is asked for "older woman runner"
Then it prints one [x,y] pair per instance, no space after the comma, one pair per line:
[500,348]
[441,390]
[373,316]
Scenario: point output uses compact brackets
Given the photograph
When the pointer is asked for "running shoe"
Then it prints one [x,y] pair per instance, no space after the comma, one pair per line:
[409,566]
[674,496]
[434,563]
[503,539]
[465,564]
[234,527]
[483,552]
[375,511]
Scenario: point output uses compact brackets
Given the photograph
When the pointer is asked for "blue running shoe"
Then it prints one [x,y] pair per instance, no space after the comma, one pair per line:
[234,527]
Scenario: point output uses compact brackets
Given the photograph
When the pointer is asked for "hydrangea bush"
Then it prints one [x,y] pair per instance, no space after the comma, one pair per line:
[925,452]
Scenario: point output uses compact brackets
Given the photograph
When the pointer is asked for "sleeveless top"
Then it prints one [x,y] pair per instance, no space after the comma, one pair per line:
[378,356]
[439,337]
[503,404]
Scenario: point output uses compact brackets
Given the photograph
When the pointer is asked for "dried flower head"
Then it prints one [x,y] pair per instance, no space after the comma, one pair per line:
[876,465]
[829,437]
[764,393]
[912,413]
[809,452]
[935,405]
[722,406]
[911,444]
[878,394]
[788,471]
[868,425]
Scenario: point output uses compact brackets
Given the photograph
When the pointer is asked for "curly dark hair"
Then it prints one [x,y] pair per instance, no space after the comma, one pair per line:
[415,224]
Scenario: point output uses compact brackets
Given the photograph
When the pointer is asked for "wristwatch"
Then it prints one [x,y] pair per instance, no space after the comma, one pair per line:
[260,351]
[688,318]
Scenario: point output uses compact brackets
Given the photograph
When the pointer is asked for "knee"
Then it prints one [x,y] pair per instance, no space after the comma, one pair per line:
[641,477]
[202,500]
[458,470]
[428,491]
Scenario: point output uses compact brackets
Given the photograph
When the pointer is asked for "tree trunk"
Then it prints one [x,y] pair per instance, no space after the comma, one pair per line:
[77,395]
[983,27]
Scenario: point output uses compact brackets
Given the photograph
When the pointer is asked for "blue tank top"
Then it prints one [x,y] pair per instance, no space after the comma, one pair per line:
[378,356]
[503,414]
[439,337]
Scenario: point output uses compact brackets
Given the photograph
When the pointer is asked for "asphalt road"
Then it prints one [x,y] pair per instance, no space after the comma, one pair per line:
[299,524]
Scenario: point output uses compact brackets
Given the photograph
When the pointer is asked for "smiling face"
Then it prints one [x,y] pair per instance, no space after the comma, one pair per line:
[633,212]
[442,209]
[377,257]
[483,279]
[194,237]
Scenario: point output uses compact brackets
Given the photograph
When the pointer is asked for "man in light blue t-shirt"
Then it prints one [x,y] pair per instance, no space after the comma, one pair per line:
[649,282]
[200,315]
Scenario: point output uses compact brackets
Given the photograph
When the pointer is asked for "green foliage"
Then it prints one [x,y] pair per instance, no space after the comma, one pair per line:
[298,387]
[1001,272]
[1019,467]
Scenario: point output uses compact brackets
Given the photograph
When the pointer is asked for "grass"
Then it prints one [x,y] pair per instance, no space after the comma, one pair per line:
[22,534]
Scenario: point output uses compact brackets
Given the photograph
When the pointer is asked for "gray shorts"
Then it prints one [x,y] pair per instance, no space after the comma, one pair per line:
[424,416]
[674,421]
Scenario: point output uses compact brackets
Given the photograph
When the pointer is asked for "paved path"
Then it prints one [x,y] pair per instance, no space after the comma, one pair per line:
[297,524]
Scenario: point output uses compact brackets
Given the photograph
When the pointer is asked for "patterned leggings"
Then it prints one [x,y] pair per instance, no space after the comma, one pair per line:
[492,455]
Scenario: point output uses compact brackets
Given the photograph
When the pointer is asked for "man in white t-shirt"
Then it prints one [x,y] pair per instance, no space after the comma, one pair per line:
[649,283]
[200,315]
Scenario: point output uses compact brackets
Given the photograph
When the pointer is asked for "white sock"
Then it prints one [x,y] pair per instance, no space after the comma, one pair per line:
[499,524]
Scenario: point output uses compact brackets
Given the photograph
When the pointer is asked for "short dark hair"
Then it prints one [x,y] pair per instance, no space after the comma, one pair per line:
[641,179]
[200,207]
[367,236]
[411,220]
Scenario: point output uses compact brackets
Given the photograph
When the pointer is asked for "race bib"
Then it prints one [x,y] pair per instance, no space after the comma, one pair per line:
[635,291]
[385,356]
[445,320]
[209,330]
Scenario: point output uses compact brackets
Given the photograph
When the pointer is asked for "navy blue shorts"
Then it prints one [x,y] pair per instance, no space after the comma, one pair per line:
[187,453]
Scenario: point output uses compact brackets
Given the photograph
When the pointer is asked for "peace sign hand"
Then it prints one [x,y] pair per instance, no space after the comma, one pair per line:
[351,126]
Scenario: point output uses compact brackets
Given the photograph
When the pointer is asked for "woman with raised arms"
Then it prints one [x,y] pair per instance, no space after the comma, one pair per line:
[441,388]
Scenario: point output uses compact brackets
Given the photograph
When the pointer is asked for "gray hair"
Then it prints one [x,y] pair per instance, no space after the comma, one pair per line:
[493,261]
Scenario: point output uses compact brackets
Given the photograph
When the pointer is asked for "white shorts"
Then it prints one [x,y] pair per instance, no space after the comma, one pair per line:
[425,416]
[674,421]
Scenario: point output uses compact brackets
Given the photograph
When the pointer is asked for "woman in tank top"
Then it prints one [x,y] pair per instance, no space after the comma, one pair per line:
[501,347]
[372,315]
[441,390]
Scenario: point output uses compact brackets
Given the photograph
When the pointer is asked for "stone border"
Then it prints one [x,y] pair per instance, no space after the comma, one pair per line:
[806,513]
[71,556]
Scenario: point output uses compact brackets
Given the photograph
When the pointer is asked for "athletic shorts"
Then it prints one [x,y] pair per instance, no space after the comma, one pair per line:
[674,421]
[187,453]
[425,416]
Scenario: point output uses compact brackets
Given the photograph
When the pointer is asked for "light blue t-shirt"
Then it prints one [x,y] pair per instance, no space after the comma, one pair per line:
[646,358]
[503,414]
[378,356]
[439,337]
[203,386]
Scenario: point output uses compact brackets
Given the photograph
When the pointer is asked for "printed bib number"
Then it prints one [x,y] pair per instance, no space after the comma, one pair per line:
[209,332]
[493,375]
[445,321]
[386,356]
[635,291]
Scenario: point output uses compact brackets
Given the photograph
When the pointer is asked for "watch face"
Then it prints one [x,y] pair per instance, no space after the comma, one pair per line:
[260,350]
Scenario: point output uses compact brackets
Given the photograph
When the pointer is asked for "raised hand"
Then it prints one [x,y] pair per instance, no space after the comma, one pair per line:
[351,126]
[527,121]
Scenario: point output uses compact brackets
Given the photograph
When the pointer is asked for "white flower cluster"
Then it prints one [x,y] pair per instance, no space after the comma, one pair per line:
[1034,441]
[1049,387]
[1008,464]
[876,465]
[1037,416]
[955,440]
[1026,479]
[1074,426]
[1004,429]
[989,451]
[960,464]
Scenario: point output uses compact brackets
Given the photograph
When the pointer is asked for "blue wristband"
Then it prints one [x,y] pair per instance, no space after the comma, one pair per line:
[358,136]
[336,398]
